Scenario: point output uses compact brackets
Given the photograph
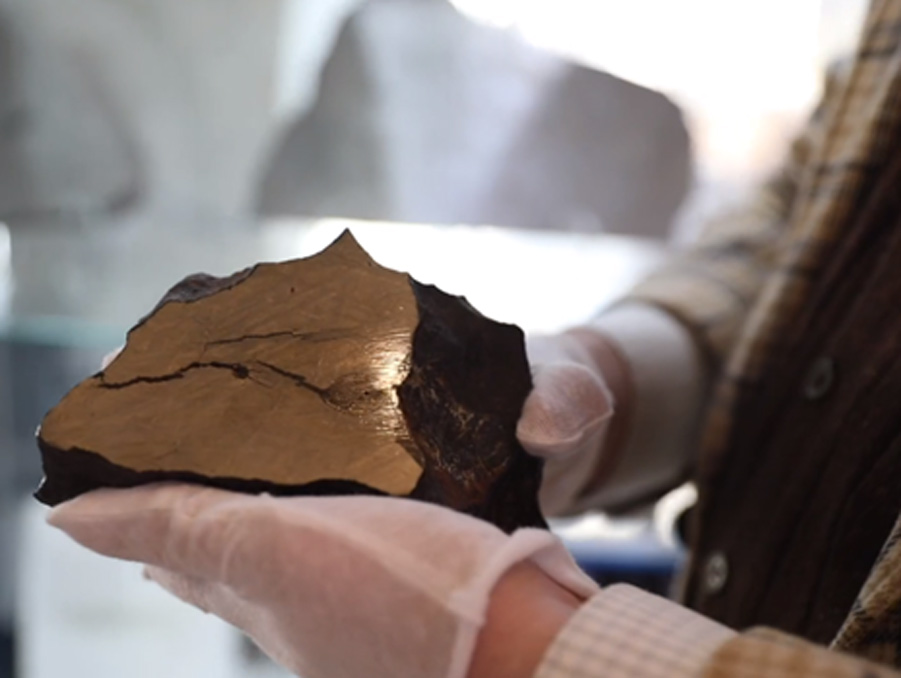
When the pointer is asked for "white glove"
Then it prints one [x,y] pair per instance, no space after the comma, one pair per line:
[566,418]
[336,587]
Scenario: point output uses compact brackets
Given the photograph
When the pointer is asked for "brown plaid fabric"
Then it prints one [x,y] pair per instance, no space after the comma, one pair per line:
[735,290]
[624,632]
[750,271]
[762,653]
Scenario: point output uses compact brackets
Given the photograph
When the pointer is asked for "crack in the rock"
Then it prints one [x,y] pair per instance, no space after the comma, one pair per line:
[358,399]
[240,371]
[298,379]
[321,335]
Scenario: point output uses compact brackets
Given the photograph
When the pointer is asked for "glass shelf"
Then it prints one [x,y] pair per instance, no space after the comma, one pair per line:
[84,288]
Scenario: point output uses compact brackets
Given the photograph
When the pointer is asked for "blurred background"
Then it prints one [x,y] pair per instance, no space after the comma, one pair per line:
[536,155]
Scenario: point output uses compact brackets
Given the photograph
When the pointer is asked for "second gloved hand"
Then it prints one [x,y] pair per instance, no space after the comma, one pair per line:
[567,418]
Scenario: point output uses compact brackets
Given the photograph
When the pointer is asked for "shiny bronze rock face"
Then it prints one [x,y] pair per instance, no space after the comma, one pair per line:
[327,375]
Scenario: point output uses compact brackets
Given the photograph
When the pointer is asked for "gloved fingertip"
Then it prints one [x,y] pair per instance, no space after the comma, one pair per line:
[550,434]
[74,510]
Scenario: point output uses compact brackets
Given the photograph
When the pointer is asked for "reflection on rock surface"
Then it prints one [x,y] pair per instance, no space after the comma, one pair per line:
[326,375]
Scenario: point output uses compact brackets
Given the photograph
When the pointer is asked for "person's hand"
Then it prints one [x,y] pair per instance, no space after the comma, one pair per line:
[342,587]
[579,380]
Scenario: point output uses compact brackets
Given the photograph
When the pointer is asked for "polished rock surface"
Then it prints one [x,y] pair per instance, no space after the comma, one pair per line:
[325,375]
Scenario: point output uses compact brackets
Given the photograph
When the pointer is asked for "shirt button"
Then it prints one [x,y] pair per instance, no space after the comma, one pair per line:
[820,378]
[716,573]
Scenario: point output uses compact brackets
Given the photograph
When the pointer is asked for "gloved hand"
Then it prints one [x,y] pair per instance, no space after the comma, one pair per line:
[336,587]
[567,418]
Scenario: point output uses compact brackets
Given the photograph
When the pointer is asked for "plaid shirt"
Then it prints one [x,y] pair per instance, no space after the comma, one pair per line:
[735,291]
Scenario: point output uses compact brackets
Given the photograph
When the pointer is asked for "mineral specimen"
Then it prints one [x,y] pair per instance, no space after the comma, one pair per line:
[326,375]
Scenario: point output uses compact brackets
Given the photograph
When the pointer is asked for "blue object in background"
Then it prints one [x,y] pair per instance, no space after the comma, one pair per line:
[631,551]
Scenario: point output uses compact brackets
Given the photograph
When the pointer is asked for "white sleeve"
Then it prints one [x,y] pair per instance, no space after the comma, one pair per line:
[670,383]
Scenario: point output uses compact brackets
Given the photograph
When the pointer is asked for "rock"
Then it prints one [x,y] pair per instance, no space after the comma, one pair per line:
[326,375]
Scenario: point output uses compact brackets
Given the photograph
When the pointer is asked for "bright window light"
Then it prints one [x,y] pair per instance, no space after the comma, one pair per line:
[727,54]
